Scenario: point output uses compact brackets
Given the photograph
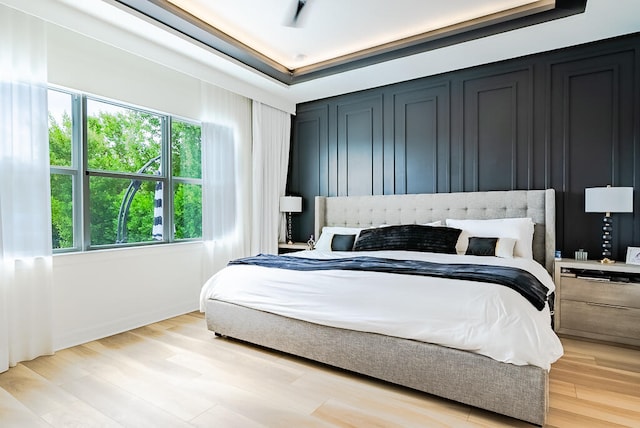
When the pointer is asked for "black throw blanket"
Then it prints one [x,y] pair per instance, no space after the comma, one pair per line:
[517,279]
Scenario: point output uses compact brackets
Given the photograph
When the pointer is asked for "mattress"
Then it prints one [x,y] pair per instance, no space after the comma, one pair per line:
[484,318]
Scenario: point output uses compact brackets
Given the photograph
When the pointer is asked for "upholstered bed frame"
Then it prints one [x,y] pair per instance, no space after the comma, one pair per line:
[517,391]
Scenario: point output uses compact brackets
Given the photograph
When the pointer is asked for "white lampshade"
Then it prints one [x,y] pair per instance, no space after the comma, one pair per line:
[290,204]
[608,200]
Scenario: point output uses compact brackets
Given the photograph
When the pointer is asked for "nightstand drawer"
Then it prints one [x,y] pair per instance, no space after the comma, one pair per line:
[600,319]
[611,293]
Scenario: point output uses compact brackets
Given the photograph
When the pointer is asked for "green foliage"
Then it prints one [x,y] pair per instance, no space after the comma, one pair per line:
[62,211]
[60,141]
[187,205]
[186,162]
[61,185]
[124,141]
[185,150]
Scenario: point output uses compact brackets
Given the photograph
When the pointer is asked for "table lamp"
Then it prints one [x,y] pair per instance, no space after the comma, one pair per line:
[608,200]
[288,205]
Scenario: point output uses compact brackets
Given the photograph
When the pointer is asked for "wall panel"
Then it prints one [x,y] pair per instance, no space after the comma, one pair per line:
[360,146]
[592,143]
[308,164]
[497,131]
[421,139]
[566,119]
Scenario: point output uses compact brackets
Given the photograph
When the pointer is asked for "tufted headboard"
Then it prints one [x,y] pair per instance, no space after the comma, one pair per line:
[366,211]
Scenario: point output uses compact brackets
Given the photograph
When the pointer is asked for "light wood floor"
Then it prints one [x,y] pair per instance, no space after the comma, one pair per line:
[175,373]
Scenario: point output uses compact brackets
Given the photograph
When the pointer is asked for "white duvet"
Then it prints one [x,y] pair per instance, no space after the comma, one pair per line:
[488,319]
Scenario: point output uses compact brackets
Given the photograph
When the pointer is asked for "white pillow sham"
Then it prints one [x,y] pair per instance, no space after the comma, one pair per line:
[505,247]
[520,229]
[324,242]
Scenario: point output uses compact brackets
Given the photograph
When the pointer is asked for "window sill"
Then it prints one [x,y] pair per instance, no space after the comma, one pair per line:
[125,252]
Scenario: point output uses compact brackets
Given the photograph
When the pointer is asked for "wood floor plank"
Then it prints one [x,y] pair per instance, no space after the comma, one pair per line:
[219,416]
[485,418]
[381,409]
[221,386]
[34,391]
[379,397]
[175,373]
[13,413]
[565,419]
[597,410]
[56,370]
[598,370]
[260,408]
[602,382]
[565,388]
[602,352]
[79,414]
[613,399]
[341,414]
[150,383]
[120,405]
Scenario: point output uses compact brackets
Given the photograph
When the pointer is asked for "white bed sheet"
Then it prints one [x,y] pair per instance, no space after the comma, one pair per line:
[488,319]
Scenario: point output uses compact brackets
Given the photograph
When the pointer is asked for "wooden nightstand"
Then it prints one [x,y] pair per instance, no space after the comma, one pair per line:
[598,301]
[284,248]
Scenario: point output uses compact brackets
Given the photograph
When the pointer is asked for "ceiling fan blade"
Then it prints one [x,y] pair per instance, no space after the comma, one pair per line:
[299,7]
[300,4]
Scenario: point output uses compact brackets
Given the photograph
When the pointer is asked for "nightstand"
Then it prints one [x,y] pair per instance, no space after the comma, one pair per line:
[284,248]
[598,301]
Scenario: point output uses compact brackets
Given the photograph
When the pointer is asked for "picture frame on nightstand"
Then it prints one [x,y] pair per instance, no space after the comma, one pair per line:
[633,256]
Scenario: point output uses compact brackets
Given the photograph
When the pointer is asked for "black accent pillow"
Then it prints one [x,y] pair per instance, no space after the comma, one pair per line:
[481,246]
[409,237]
[342,242]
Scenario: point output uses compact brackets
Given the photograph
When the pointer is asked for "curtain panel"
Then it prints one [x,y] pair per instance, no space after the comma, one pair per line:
[271,141]
[25,213]
[226,177]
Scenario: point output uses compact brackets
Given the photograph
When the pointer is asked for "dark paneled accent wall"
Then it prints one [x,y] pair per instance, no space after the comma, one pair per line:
[566,119]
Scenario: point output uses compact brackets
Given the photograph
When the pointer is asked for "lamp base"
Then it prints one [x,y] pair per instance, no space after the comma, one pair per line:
[289,234]
[607,228]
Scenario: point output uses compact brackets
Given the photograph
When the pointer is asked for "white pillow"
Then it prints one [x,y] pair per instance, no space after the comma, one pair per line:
[520,229]
[504,247]
[324,242]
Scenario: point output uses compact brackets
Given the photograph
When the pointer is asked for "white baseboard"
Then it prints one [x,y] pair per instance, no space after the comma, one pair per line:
[95,332]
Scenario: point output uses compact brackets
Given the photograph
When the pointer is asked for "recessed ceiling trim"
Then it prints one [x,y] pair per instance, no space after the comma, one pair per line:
[176,18]
[449,35]
[166,13]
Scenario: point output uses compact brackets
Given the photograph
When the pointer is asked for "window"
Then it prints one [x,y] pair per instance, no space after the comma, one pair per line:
[187,179]
[121,175]
[64,170]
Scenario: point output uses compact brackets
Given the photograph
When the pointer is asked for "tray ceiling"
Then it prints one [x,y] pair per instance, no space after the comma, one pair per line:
[331,36]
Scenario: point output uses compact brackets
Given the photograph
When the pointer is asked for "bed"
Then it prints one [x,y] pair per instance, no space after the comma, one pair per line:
[513,385]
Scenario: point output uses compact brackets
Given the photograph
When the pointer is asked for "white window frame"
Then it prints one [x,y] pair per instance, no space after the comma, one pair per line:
[80,174]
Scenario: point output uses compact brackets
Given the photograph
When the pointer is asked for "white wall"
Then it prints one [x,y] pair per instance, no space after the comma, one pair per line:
[111,24]
[85,64]
[100,293]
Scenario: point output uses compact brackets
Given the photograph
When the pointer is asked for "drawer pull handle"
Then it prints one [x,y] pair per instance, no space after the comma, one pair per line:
[606,306]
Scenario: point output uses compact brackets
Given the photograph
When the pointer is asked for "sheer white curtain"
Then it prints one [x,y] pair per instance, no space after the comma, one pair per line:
[25,213]
[271,132]
[226,176]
